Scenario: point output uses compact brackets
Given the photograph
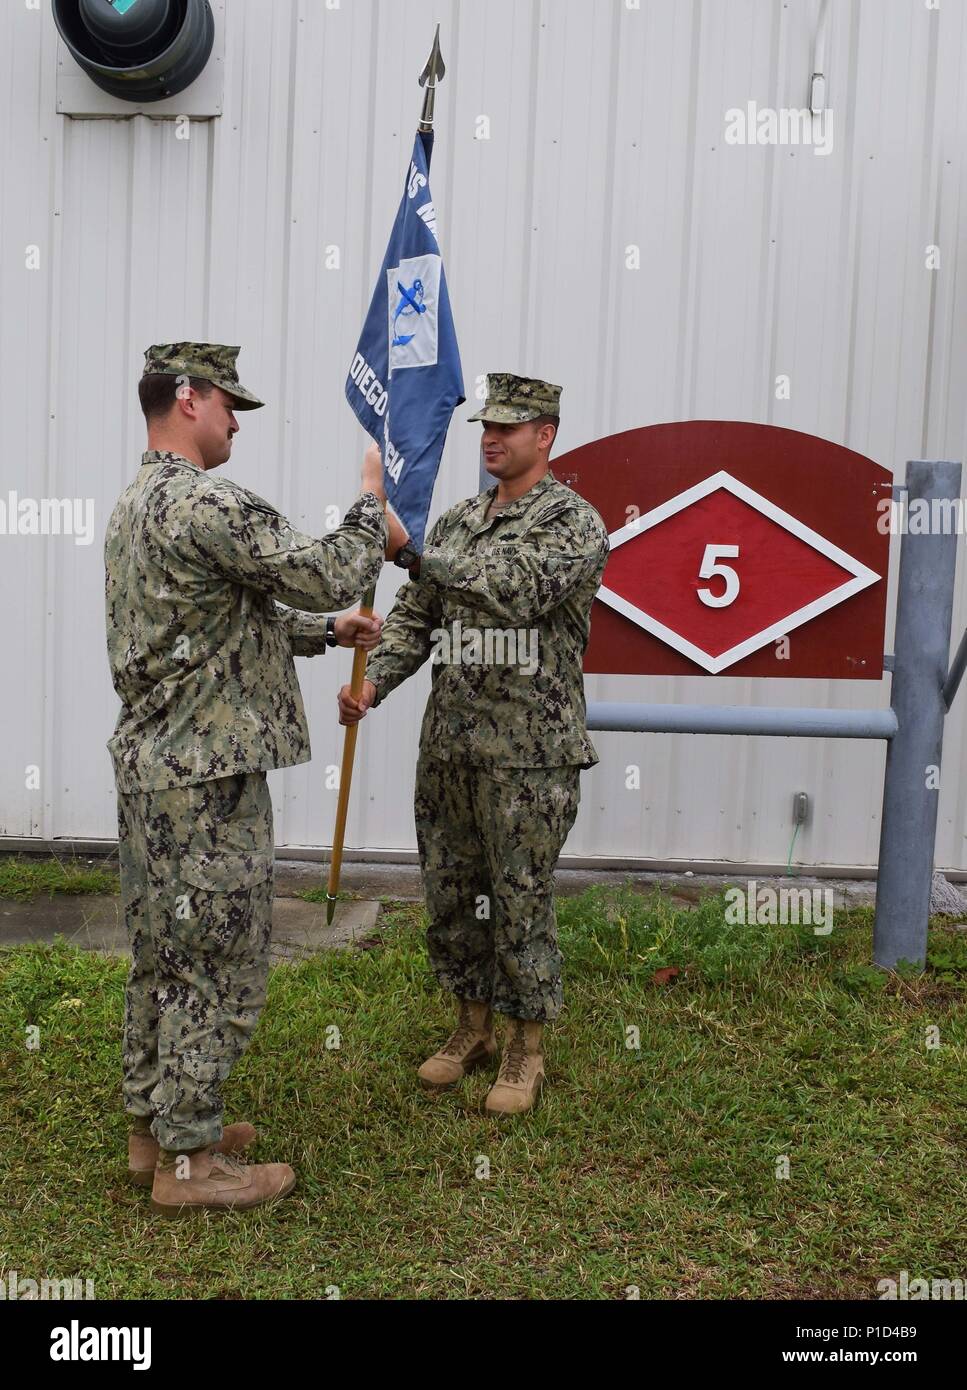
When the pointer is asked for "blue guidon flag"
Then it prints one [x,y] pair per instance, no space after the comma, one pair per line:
[405,380]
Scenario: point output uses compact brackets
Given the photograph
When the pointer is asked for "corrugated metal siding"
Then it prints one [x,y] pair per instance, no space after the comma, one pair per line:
[607,129]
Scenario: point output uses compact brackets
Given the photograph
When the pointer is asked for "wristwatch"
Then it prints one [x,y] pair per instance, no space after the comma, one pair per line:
[331,639]
[405,556]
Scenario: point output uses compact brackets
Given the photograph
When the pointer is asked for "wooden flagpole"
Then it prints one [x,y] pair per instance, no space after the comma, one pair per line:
[346,771]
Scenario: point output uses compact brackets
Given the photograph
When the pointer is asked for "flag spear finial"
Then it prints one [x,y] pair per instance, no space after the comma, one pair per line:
[433,71]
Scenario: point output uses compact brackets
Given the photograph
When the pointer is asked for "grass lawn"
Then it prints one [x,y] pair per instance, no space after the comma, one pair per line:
[651,1167]
[26,877]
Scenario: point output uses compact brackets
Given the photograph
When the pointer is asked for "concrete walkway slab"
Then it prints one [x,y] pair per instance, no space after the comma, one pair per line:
[299,927]
[94,923]
[372,880]
[90,921]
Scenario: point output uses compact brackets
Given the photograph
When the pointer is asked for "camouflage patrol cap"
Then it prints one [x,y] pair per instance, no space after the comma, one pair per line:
[513,399]
[211,361]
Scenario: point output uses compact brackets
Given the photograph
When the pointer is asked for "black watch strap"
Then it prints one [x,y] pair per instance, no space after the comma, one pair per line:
[331,640]
[405,556]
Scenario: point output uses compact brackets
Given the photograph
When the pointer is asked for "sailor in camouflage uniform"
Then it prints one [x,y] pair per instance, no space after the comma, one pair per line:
[500,600]
[201,653]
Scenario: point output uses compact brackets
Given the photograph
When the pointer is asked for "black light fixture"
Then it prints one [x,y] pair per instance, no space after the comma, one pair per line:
[138,50]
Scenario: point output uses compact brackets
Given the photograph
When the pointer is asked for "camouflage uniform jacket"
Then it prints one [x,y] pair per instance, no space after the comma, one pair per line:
[200,652]
[535,568]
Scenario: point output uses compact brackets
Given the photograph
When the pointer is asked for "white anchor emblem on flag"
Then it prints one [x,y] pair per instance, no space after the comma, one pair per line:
[412,296]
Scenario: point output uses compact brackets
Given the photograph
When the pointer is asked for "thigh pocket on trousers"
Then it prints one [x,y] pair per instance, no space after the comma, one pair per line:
[216,910]
[206,1075]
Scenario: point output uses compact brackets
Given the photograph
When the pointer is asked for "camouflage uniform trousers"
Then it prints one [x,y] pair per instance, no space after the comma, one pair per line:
[489,838]
[196,890]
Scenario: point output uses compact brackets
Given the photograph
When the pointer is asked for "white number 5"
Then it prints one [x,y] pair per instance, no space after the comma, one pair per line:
[710,567]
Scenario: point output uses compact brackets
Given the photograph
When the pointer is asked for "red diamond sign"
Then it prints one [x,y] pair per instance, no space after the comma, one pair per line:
[766,573]
[737,549]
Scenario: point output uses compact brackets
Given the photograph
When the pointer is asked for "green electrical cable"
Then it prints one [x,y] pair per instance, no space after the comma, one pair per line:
[791,847]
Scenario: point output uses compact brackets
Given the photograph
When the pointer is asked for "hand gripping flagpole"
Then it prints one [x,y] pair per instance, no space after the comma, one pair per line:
[433,70]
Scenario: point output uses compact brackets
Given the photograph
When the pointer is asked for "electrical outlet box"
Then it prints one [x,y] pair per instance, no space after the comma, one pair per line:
[800,808]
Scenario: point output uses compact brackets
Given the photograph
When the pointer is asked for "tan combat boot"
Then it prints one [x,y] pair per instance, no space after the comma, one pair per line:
[143,1150]
[214,1181]
[472,1044]
[521,1072]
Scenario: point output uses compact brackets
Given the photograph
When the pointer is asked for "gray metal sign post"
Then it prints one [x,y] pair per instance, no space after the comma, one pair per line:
[911,787]
[922,691]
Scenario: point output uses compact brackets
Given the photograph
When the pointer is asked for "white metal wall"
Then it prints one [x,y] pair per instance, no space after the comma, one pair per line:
[606,130]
